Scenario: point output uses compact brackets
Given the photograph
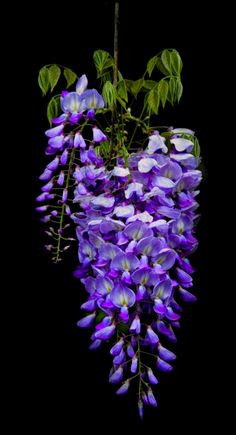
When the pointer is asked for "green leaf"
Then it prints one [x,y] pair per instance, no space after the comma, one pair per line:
[125,155]
[122,90]
[166,60]
[122,102]
[196,147]
[176,62]
[179,89]
[109,93]
[43,80]
[136,86]
[171,93]
[161,67]
[163,91]
[53,108]
[70,76]
[151,65]
[54,74]
[103,61]
[100,316]
[153,100]
[149,84]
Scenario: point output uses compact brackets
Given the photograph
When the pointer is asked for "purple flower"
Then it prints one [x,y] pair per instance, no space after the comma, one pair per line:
[135,325]
[116,349]
[81,84]
[134,364]
[53,165]
[181,144]
[105,333]
[124,387]
[92,100]
[152,378]
[125,262]
[166,354]
[98,135]
[117,376]
[151,398]
[156,142]
[56,142]
[184,278]
[73,103]
[136,188]
[163,365]
[152,336]
[79,141]
[87,321]
[123,297]
[55,131]
[146,164]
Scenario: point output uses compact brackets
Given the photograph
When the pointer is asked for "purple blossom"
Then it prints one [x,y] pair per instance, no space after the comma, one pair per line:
[98,135]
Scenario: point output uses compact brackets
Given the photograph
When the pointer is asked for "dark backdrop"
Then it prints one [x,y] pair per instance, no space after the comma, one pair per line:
[68,383]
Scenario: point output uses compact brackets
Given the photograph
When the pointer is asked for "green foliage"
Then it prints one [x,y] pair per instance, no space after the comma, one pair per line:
[53,108]
[70,76]
[109,93]
[153,100]
[103,62]
[151,65]
[54,73]
[163,88]
[196,147]
[43,80]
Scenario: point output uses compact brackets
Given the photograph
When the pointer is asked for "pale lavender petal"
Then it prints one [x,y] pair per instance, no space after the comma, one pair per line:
[64,157]
[163,182]
[79,141]
[120,358]
[135,325]
[151,398]
[116,349]
[95,344]
[126,262]
[60,119]
[156,142]
[124,211]
[152,336]
[117,376]
[134,188]
[182,144]
[122,296]
[81,84]
[137,231]
[134,364]
[120,172]
[56,142]
[87,321]
[103,201]
[55,131]
[152,378]
[105,333]
[98,135]
[53,165]
[163,365]
[124,388]
[143,217]
[46,175]
[146,164]
[166,354]
[186,160]
[187,296]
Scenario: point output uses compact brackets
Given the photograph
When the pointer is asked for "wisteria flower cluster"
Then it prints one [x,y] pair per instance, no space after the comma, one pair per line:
[134,214]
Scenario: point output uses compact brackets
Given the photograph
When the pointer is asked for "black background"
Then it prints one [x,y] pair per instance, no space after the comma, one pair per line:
[68,384]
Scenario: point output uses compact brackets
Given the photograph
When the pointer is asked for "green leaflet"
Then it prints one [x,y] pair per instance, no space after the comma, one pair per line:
[163,91]
[70,76]
[109,93]
[53,107]
[151,65]
[43,80]
[153,100]
[54,73]
[103,61]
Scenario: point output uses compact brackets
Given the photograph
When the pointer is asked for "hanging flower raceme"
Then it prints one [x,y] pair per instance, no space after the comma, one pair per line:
[134,215]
